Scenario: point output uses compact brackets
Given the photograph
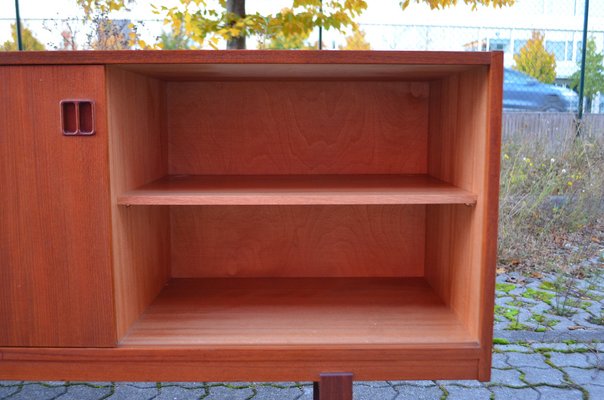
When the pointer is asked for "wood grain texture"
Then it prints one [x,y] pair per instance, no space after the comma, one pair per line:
[296,190]
[297,128]
[250,363]
[491,210]
[259,312]
[55,240]
[294,241]
[245,57]
[459,240]
[138,154]
[335,386]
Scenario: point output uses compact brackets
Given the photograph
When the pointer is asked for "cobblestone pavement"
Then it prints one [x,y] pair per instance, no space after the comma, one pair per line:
[549,345]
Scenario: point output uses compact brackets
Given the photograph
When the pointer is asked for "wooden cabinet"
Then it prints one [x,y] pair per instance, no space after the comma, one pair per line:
[249,215]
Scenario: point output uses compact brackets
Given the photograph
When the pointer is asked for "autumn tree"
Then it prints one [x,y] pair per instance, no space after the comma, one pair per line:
[206,25]
[27,38]
[594,74]
[356,41]
[107,33]
[535,61]
[231,22]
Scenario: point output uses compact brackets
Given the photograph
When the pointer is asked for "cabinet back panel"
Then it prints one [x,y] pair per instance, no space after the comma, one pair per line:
[297,127]
[297,241]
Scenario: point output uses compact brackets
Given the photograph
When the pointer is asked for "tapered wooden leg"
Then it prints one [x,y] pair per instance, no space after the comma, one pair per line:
[333,386]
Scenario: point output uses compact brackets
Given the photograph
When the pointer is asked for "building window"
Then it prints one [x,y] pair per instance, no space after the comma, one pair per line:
[499,44]
[579,50]
[557,48]
[569,50]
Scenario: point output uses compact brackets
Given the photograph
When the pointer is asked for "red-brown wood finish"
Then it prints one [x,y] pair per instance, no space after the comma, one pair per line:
[335,386]
[296,190]
[55,242]
[291,128]
[290,241]
[256,184]
[246,57]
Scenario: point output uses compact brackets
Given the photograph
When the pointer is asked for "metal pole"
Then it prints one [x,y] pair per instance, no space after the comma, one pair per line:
[18,26]
[321,28]
[583,53]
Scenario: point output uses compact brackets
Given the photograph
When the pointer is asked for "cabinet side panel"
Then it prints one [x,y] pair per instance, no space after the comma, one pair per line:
[294,241]
[55,245]
[455,234]
[138,155]
[491,212]
[322,127]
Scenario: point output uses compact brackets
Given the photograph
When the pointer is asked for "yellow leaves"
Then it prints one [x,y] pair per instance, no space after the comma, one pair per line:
[535,61]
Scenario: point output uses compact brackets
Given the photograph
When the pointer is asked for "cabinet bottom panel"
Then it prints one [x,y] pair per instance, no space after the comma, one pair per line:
[297,312]
[122,364]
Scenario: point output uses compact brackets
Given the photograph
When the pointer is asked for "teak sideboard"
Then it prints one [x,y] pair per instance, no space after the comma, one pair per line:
[248,215]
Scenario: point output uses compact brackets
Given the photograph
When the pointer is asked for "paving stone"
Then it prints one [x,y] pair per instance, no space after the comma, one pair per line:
[186,385]
[465,383]
[11,383]
[79,392]
[527,360]
[508,377]
[500,360]
[548,376]
[91,383]
[307,393]
[585,376]
[411,392]
[276,393]
[513,347]
[52,383]
[142,385]
[550,393]
[376,384]
[541,308]
[476,393]
[284,385]
[503,300]
[554,346]
[569,360]
[38,392]
[505,393]
[517,292]
[595,392]
[126,391]
[180,393]
[595,360]
[6,391]
[362,392]
[414,383]
[225,393]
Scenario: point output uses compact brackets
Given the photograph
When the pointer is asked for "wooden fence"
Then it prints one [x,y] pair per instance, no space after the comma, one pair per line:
[550,129]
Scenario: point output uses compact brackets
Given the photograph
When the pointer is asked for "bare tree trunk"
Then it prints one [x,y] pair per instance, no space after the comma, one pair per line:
[236,7]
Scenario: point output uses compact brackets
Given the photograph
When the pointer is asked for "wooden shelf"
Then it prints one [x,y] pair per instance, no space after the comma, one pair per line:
[298,311]
[296,190]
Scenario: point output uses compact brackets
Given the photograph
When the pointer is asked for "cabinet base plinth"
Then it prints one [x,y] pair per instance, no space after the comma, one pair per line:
[333,386]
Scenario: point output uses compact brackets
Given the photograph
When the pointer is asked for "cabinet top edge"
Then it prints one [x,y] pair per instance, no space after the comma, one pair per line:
[90,57]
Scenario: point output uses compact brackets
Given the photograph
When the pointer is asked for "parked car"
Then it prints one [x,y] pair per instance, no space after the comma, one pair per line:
[523,92]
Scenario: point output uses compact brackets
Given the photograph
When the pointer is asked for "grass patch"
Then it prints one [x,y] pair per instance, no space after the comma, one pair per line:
[500,341]
[540,295]
[505,287]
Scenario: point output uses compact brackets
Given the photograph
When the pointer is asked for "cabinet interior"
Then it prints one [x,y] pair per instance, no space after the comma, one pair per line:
[297,204]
